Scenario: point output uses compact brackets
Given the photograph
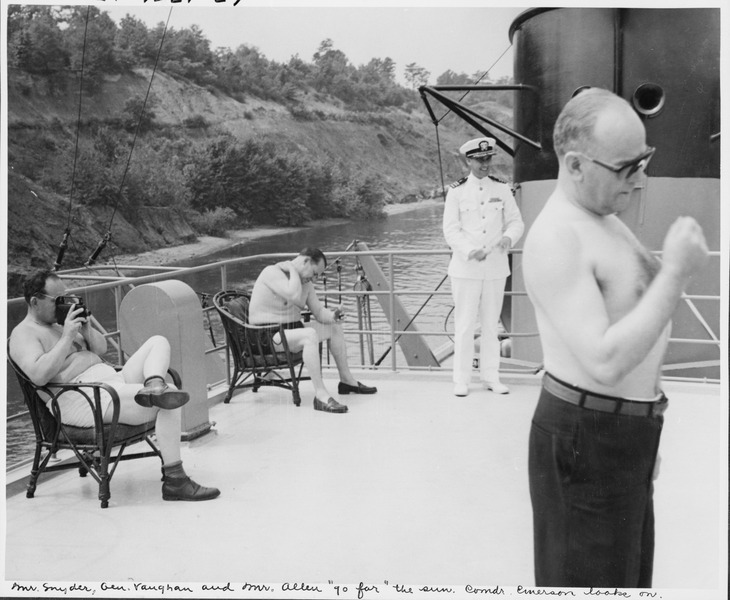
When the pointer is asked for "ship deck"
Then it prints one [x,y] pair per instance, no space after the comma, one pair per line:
[412,487]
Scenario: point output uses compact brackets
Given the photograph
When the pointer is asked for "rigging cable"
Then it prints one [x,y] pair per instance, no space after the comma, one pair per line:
[67,232]
[108,234]
[438,121]
[466,93]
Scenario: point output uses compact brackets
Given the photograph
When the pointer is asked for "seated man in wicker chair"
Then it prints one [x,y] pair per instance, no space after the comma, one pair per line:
[50,347]
[279,295]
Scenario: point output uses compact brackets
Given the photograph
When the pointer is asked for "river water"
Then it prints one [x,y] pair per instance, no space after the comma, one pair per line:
[417,229]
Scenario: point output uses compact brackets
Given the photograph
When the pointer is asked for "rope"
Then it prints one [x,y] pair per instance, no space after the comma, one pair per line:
[413,318]
[466,93]
[67,232]
[436,121]
[107,236]
[141,114]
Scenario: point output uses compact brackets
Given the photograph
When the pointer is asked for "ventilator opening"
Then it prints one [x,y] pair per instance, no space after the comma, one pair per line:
[649,99]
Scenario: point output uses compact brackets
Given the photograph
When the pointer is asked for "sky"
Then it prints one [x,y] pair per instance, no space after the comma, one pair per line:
[464,39]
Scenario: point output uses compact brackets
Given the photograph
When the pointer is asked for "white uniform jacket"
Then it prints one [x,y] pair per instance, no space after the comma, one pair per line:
[478,212]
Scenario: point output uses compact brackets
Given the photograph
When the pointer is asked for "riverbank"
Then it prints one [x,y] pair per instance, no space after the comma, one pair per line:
[210,244]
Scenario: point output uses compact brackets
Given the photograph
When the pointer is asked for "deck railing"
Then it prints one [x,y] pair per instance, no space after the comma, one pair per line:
[110,277]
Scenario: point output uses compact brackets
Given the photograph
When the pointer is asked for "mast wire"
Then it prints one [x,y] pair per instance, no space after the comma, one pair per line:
[466,93]
[141,114]
[67,232]
[107,235]
[438,121]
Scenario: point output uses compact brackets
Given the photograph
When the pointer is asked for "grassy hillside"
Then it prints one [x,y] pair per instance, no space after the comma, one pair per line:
[397,147]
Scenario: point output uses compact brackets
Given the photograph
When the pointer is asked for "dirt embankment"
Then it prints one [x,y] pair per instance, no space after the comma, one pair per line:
[397,147]
[206,244]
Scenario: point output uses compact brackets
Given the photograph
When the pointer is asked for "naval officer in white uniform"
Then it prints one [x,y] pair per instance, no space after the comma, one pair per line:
[481,224]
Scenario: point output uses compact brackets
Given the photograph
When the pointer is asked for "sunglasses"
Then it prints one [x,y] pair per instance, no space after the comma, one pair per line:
[641,162]
[63,299]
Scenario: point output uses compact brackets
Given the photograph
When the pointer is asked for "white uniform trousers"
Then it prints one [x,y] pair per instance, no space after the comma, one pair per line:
[472,298]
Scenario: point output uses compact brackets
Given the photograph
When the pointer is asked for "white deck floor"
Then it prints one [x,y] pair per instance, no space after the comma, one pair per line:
[412,487]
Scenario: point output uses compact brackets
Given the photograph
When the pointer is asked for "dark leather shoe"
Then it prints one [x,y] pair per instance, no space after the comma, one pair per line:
[184,488]
[331,406]
[161,396]
[346,388]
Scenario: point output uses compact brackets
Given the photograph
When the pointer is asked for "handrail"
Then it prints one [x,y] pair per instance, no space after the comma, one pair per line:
[162,273]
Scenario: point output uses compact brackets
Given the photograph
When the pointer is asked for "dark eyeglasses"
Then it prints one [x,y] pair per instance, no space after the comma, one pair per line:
[481,159]
[641,162]
[63,299]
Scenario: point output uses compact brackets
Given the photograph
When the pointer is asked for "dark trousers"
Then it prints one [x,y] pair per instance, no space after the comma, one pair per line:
[591,488]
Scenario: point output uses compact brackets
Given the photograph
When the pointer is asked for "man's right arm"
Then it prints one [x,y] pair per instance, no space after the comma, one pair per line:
[40,366]
[283,279]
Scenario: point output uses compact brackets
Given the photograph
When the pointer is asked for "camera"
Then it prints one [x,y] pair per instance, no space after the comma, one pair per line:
[65,304]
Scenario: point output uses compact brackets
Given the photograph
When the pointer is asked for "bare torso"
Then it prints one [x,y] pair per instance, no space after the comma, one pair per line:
[29,334]
[607,254]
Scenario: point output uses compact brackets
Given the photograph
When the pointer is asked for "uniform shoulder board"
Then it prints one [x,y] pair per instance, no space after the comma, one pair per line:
[459,182]
[497,179]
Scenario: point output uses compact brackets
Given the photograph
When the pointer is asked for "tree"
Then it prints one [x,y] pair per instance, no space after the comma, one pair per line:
[416,76]
[332,71]
[91,44]
[449,77]
[187,52]
[134,44]
[35,42]
[138,115]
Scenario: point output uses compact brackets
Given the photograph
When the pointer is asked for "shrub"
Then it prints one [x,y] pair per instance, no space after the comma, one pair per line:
[196,122]
[215,222]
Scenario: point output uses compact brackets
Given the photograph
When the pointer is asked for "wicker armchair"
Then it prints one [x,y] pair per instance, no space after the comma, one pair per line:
[98,449]
[256,362]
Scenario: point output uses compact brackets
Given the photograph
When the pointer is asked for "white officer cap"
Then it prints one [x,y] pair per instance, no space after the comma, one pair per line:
[483,146]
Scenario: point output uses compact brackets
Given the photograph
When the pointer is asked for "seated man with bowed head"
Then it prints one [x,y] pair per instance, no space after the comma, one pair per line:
[279,295]
[48,352]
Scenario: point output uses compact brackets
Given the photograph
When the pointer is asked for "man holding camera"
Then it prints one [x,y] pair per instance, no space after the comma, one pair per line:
[56,343]
[279,295]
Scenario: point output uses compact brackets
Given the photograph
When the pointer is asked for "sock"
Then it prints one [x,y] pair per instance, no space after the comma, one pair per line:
[152,378]
[174,470]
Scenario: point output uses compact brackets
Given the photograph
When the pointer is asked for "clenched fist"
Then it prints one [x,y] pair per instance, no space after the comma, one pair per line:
[685,249]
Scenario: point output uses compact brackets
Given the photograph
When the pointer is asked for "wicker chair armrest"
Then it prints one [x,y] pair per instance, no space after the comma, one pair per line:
[276,327]
[91,391]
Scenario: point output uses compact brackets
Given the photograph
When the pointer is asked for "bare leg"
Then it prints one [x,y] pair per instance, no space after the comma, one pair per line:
[168,422]
[306,340]
[338,348]
[149,365]
[152,359]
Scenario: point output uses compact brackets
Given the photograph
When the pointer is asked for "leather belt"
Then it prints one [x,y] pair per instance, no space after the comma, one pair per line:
[609,404]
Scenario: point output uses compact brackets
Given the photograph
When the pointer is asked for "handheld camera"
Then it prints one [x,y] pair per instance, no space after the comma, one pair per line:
[65,304]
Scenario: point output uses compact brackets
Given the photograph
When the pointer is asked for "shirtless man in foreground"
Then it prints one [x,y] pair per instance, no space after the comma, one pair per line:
[49,352]
[603,305]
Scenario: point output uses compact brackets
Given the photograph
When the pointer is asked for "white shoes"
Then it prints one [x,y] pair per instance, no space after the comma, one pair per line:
[496,387]
[461,389]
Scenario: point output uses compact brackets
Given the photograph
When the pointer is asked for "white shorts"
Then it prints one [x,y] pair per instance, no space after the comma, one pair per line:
[75,408]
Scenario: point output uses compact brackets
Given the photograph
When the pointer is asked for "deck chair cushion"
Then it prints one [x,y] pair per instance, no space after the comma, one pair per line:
[87,435]
[238,307]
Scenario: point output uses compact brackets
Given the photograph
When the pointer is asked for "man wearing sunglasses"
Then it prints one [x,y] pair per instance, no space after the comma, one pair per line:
[603,306]
[280,294]
[70,351]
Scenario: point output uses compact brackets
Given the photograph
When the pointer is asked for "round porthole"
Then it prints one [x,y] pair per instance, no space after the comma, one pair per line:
[649,99]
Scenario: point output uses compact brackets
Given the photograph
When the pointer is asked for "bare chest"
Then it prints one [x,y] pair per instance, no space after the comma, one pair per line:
[623,269]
